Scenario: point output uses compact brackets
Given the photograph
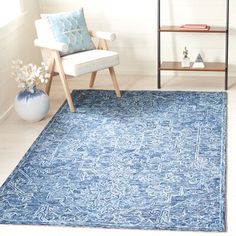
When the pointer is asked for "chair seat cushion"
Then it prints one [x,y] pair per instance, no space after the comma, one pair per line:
[89,61]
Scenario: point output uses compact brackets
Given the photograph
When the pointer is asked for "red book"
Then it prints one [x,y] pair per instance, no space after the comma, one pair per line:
[194,27]
[198,26]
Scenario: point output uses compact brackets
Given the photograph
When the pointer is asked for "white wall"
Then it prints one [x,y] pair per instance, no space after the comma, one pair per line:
[16,43]
[135,22]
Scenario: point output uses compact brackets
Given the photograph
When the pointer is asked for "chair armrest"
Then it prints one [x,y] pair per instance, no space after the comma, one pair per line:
[102,35]
[61,47]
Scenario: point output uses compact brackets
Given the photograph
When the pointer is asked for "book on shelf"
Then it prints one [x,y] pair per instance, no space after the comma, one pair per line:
[203,27]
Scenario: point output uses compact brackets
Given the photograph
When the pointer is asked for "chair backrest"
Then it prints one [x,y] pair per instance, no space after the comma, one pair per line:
[44,33]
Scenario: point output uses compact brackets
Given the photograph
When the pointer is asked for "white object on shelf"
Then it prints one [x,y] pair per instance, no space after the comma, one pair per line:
[186,60]
[198,62]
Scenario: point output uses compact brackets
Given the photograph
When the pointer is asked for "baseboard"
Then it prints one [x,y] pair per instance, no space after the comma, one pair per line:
[6,114]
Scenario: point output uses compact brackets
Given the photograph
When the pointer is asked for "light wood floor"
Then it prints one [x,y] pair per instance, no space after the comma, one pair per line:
[16,136]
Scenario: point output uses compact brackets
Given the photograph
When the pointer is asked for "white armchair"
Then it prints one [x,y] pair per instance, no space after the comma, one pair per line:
[77,63]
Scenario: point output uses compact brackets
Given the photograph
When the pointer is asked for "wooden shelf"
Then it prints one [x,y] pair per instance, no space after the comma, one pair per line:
[209,66]
[176,66]
[213,29]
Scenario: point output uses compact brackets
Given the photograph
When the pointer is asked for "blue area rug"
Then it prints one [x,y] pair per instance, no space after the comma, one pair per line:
[149,160]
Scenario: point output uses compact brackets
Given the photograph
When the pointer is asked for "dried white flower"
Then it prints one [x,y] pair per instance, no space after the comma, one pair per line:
[29,76]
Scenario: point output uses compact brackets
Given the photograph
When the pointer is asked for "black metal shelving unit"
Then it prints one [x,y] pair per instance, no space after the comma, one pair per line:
[176,66]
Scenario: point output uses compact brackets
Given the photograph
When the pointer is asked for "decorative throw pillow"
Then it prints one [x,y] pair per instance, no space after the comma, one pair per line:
[70,28]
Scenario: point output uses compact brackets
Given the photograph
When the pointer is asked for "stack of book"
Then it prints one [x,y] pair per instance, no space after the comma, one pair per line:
[200,27]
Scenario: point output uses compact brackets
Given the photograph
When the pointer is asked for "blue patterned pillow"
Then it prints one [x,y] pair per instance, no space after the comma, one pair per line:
[70,28]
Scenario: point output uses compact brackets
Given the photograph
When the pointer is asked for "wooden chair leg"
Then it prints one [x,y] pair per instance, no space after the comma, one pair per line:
[64,81]
[92,80]
[114,81]
[50,71]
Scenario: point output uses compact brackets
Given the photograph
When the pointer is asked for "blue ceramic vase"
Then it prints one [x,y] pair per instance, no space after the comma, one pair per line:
[32,106]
